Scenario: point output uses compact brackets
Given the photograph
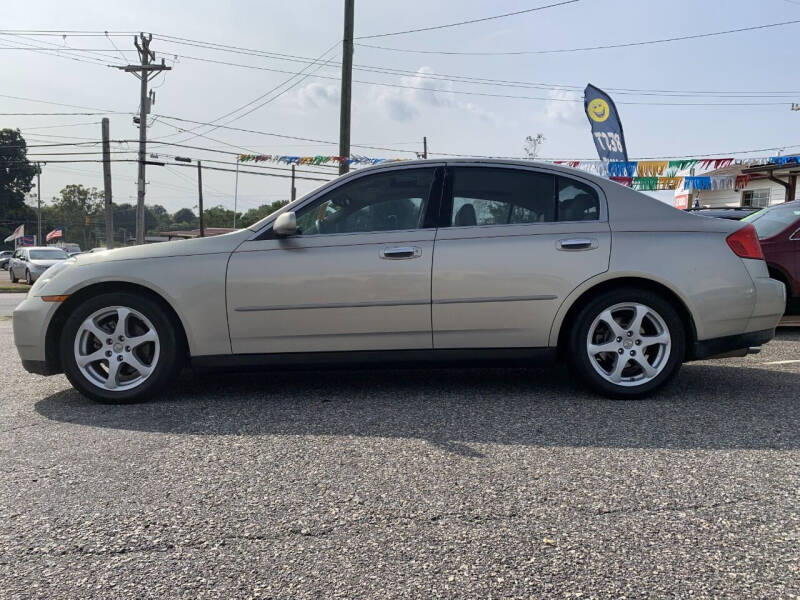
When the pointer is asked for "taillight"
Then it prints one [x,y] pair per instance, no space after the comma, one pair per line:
[744,243]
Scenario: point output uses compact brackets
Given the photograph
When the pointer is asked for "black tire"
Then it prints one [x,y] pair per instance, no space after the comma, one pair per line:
[28,278]
[11,274]
[578,355]
[167,364]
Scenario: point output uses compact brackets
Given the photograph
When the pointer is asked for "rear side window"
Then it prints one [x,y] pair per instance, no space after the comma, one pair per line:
[486,196]
[577,201]
[491,196]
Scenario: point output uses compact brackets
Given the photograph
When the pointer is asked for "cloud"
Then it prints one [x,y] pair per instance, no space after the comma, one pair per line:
[407,103]
[558,111]
[313,96]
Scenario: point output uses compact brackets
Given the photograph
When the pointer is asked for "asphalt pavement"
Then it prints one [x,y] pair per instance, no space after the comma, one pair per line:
[8,302]
[397,484]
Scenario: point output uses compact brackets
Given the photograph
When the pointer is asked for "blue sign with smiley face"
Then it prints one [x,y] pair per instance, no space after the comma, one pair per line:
[606,126]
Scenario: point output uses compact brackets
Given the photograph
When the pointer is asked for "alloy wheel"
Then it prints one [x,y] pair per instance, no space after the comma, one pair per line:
[116,348]
[629,344]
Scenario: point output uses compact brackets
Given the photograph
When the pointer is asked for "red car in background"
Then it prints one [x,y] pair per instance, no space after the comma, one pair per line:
[778,229]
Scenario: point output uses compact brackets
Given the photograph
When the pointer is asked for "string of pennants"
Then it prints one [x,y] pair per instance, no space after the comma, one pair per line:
[657,175]
[312,160]
[642,175]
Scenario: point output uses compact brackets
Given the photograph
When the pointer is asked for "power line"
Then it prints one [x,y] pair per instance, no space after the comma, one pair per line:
[507,83]
[131,160]
[104,111]
[471,21]
[434,77]
[268,100]
[589,48]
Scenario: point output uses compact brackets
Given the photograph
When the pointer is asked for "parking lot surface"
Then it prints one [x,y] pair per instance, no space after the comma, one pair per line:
[440,483]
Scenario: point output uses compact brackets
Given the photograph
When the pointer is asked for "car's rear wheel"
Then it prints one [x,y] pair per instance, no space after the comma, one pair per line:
[627,343]
[119,348]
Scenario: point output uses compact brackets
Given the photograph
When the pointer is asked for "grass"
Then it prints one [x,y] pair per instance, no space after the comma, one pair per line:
[7,286]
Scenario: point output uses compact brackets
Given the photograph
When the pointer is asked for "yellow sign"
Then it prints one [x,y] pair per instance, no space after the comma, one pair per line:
[598,110]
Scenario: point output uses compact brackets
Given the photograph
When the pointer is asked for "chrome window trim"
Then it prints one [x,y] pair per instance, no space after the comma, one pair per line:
[341,181]
[795,237]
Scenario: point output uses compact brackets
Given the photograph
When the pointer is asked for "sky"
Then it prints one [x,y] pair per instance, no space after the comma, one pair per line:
[753,63]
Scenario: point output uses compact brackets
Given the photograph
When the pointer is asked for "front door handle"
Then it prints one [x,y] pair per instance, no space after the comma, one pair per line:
[401,252]
[572,244]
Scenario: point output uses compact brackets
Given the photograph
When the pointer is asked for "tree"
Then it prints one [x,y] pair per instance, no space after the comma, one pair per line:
[219,216]
[16,180]
[161,216]
[532,145]
[125,221]
[256,214]
[79,210]
[184,219]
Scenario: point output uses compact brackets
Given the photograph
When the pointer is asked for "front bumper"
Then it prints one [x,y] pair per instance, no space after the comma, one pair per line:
[30,321]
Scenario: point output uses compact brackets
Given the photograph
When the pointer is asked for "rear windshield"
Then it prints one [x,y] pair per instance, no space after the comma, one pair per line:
[49,254]
[771,221]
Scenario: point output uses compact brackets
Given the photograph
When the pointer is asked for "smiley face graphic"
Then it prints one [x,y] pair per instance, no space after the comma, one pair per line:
[598,110]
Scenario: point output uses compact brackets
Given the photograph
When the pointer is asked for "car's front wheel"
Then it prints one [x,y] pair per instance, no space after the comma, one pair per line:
[28,278]
[11,275]
[627,343]
[119,348]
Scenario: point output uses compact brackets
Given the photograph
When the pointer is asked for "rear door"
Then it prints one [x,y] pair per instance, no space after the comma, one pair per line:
[513,242]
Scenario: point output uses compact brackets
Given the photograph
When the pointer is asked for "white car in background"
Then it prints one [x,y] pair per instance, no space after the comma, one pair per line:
[29,263]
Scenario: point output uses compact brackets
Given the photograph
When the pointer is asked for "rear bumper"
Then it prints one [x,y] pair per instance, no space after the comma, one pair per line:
[730,343]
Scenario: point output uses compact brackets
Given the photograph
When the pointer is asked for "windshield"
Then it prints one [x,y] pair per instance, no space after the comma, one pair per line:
[771,221]
[49,254]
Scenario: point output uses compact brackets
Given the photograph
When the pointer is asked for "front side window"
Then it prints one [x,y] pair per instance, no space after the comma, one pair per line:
[388,201]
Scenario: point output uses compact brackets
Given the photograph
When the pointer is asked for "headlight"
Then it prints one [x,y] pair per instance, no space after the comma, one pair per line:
[50,273]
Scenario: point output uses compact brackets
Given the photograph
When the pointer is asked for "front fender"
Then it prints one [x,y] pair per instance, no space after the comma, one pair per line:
[193,285]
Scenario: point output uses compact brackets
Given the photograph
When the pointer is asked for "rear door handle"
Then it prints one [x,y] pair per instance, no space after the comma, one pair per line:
[576,244]
[401,252]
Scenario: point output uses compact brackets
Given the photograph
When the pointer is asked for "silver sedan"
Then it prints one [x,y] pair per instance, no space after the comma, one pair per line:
[30,262]
[499,262]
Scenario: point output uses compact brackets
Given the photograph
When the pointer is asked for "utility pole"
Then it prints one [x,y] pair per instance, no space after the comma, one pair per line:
[236,193]
[424,147]
[109,207]
[294,189]
[347,85]
[39,203]
[145,72]
[200,197]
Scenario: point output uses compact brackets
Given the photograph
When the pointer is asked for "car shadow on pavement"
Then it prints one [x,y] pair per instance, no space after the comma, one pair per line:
[707,406]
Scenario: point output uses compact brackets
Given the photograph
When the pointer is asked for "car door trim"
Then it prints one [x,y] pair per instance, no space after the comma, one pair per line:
[332,305]
[495,299]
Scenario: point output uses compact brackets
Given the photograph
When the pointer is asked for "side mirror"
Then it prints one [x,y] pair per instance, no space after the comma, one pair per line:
[285,224]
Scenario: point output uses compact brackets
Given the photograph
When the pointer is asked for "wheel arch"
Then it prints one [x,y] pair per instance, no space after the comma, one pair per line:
[590,290]
[778,273]
[56,325]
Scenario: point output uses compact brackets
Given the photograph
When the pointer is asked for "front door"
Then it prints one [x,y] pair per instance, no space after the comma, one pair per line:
[356,276]
[513,243]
